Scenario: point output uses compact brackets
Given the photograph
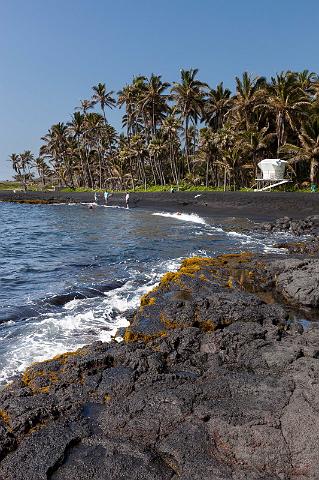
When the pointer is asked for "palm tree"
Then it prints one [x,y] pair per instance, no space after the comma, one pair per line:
[55,148]
[109,137]
[42,169]
[308,150]
[85,106]
[255,144]
[158,148]
[138,152]
[126,156]
[126,97]
[153,101]
[207,150]
[15,159]
[288,102]
[103,97]
[94,123]
[217,105]
[249,91]
[189,97]
[171,126]
[228,154]
[77,129]
[130,96]
[26,161]
[307,81]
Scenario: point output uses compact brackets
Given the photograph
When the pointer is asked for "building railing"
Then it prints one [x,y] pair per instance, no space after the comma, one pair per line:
[270,175]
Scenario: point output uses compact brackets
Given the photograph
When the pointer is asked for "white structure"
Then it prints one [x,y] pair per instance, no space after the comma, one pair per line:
[273,168]
[273,172]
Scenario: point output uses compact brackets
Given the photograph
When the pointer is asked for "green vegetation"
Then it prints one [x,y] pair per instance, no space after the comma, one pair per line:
[9,185]
[185,134]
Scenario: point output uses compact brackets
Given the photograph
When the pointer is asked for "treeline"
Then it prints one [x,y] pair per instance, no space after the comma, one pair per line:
[182,133]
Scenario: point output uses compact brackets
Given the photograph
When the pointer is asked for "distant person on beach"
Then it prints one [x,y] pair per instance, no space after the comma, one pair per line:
[95,198]
[127,199]
[106,197]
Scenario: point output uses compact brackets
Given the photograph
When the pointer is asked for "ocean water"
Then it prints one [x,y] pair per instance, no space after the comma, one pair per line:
[70,275]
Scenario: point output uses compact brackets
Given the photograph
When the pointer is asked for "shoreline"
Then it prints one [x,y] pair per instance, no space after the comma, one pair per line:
[209,357]
[257,206]
[204,358]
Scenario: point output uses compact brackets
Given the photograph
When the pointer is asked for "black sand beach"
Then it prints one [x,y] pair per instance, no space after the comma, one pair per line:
[258,206]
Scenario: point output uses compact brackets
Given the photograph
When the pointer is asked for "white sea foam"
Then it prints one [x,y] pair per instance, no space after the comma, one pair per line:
[114,206]
[72,304]
[184,217]
[272,249]
[239,235]
[216,229]
[81,321]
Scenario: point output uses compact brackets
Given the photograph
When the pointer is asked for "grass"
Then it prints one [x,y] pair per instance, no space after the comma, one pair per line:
[153,188]
[183,187]
[10,185]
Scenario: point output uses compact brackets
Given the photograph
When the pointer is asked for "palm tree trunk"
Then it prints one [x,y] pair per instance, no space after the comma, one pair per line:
[103,110]
[141,161]
[207,171]
[172,162]
[280,132]
[152,168]
[132,174]
[186,144]
[314,171]
[89,173]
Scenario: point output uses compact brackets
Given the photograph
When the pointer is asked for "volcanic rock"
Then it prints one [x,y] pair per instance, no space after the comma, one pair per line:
[210,383]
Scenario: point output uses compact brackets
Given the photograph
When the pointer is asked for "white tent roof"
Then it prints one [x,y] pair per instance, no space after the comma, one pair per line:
[274,162]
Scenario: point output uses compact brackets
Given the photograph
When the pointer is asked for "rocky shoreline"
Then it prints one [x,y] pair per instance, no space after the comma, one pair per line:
[214,380]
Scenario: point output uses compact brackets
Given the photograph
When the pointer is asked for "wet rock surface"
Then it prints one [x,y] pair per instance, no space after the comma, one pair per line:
[298,280]
[210,382]
[309,247]
[306,226]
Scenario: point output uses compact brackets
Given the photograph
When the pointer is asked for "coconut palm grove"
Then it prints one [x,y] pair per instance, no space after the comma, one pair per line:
[184,133]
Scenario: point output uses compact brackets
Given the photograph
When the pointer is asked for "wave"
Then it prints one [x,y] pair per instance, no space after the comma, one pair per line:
[82,293]
[114,206]
[56,301]
[92,205]
[76,320]
[185,217]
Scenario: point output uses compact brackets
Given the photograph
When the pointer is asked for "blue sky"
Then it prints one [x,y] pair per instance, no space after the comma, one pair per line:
[53,52]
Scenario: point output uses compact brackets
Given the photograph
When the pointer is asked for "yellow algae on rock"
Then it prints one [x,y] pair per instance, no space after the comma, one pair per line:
[147,300]
[226,271]
[30,378]
[5,417]
[34,374]
[130,336]
[167,322]
[63,357]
